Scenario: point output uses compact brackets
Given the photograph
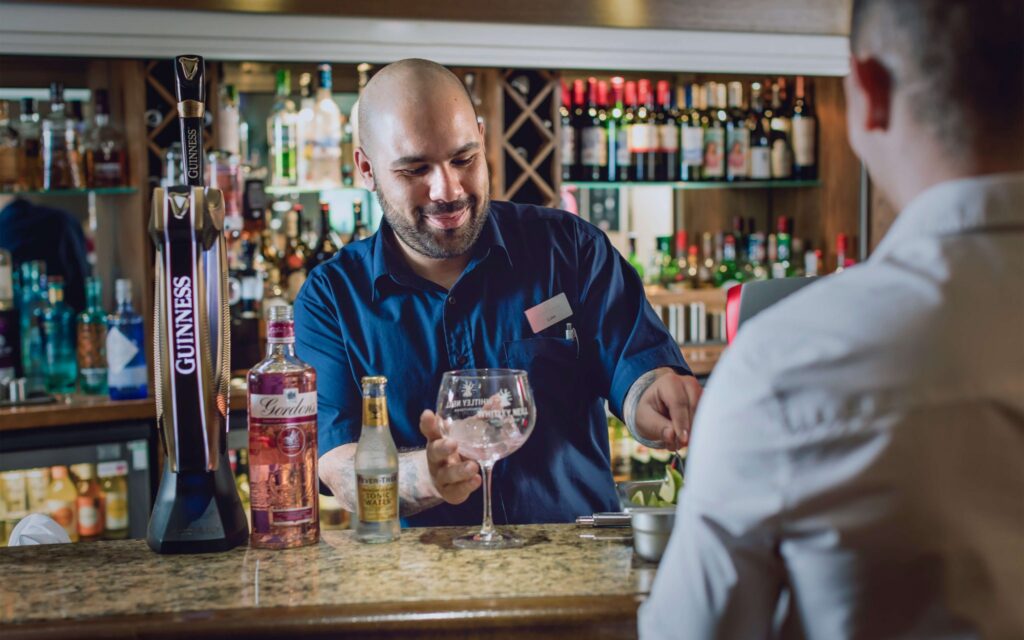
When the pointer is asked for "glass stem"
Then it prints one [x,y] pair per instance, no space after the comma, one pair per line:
[487,531]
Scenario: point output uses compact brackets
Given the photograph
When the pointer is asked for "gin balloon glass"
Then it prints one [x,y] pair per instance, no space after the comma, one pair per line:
[490,414]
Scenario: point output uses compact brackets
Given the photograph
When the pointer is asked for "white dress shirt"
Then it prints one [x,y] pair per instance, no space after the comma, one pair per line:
[857,463]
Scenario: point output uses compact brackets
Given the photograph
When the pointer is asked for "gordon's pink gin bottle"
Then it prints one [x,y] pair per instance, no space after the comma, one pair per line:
[282,442]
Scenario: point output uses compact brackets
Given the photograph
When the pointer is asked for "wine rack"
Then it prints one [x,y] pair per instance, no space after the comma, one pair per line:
[529,149]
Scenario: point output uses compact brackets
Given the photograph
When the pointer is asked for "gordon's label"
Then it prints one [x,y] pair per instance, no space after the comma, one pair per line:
[290,406]
[375,412]
[378,497]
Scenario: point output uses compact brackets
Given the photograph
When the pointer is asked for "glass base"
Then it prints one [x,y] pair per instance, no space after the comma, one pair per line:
[493,540]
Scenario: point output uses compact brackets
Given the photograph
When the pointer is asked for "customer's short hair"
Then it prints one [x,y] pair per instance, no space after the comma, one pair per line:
[959,62]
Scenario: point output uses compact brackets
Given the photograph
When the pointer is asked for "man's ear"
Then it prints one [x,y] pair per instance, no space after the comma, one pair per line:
[480,126]
[364,168]
[874,82]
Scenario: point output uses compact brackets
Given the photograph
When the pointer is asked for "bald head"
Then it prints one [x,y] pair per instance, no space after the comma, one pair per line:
[411,87]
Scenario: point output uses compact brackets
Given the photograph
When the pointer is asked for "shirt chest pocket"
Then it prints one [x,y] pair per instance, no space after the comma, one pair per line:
[552,365]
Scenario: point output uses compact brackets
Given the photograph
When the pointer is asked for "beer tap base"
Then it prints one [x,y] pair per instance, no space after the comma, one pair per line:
[197,512]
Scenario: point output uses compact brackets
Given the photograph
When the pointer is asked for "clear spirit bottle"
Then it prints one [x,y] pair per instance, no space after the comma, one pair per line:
[281,134]
[59,340]
[326,161]
[127,377]
[62,166]
[283,480]
[92,342]
[376,468]
[34,302]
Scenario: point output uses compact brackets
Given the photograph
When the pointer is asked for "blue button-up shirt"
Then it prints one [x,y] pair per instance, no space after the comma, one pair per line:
[365,312]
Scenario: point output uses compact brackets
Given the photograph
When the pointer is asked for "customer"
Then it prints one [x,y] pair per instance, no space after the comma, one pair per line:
[857,466]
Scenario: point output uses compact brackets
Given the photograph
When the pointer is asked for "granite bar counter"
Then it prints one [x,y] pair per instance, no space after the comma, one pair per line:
[560,584]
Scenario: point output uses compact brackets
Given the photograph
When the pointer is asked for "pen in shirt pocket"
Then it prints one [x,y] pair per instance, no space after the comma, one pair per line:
[570,334]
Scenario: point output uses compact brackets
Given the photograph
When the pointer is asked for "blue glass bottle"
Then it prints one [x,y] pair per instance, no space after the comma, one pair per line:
[58,320]
[127,377]
[33,303]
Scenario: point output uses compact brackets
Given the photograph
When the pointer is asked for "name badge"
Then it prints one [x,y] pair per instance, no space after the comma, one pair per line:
[548,313]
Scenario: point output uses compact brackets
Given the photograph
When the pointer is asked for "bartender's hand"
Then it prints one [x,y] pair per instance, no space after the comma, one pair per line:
[454,477]
[665,410]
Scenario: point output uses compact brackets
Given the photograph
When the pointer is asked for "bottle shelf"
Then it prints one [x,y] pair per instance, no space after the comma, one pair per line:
[684,186]
[104,191]
[713,298]
[289,191]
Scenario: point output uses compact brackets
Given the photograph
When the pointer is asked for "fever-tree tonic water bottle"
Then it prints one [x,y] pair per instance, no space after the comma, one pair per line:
[376,468]
[283,480]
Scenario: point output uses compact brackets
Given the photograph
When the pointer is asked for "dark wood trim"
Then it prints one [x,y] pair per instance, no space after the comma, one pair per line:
[820,17]
[557,618]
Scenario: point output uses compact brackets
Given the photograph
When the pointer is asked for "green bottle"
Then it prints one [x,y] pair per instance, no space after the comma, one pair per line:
[634,259]
[728,273]
[59,340]
[92,342]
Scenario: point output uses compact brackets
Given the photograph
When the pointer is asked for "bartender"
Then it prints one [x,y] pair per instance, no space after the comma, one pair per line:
[452,280]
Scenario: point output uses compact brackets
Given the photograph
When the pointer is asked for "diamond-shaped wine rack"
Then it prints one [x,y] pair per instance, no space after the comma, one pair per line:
[530,109]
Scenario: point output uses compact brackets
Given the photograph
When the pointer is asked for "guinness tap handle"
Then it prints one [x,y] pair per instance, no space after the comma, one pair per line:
[190,88]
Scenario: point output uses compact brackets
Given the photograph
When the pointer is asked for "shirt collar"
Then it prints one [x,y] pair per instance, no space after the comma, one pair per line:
[388,265]
[989,202]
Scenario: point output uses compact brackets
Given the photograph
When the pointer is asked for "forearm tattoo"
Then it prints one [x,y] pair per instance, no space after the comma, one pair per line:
[416,490]
[629,407]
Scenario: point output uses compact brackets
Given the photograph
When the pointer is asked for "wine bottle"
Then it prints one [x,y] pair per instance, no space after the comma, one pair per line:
[805,128]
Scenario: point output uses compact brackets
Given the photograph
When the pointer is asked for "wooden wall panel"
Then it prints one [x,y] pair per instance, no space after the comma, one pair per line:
[823,17]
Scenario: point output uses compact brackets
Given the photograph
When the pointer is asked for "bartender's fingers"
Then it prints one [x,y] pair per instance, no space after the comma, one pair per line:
[429,426]
[457,492]
[674,398]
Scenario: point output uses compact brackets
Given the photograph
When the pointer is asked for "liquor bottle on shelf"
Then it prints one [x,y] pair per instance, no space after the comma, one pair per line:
[634,259]
[62,164]
[376,466]
[643,142]
[58,321]
[728,273]
[579,121]
[106,162]
[61,501]
[812,262]
[75,115]
[326,162]
[713,120]
[281,138]
[229,122]
[672,275]
[783,265]
[760,143]
[224,171]
[245,316]
[693,267]
[304,129]
[710,265]
[127,377]
[680,279]
[567,140]
[31,145]
[10,323]
[273,291]
[114,486]
[92,342]
[629,120]
[293,260]
[619,160]
[660,261]
[692,135]
[325,246]
[755,267]
[840,252]
[360,230]
[89,502]
[805,129]
[593,139]
[10,151]
[781,130]
[737,136]
[34,302]
[348,168]
[667,161]
[283,481]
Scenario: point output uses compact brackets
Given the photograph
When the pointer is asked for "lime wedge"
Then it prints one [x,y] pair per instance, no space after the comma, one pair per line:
[638,498]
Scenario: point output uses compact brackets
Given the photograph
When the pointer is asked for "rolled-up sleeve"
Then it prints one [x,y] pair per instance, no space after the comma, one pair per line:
[319,341]
[626,336]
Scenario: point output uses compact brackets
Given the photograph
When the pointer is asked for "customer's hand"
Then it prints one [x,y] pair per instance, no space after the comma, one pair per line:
[665,410]
[454,477]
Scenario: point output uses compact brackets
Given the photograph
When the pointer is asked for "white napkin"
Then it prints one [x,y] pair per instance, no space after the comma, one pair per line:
[37,528]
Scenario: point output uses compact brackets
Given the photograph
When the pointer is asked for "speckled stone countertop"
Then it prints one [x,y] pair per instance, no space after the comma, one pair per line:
[333,584]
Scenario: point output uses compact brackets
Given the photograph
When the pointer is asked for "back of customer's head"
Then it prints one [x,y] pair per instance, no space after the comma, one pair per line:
[936,90]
